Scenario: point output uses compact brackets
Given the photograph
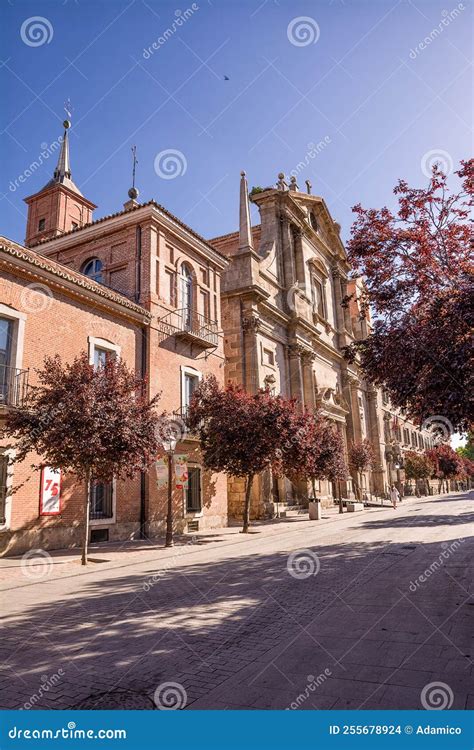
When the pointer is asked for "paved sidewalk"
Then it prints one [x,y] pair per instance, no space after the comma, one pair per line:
[364,610]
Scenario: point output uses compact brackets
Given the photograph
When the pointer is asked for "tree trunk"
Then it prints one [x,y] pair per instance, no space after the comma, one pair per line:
[87,505]
[313,485]
[248,492]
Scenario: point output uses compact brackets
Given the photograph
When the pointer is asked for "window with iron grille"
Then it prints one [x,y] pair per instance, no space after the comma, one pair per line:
[3,486]
[193,490]
[102,505]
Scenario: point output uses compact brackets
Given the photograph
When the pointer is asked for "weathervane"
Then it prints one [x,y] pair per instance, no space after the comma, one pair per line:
[68,111]
[133,192]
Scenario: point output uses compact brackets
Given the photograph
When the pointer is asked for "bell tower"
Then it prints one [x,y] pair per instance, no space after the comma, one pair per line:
[59,206]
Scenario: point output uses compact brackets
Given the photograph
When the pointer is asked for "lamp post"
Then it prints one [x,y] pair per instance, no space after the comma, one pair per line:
[169,446]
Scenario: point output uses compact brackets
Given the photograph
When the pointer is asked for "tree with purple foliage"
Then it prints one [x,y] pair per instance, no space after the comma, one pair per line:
[94,423]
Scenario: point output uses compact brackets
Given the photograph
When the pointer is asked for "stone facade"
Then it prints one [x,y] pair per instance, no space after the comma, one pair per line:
[285,327]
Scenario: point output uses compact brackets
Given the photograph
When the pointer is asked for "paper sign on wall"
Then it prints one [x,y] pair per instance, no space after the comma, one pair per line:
[50,492]
[181,472]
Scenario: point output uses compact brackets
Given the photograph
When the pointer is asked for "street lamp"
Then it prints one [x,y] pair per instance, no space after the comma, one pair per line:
[169,446]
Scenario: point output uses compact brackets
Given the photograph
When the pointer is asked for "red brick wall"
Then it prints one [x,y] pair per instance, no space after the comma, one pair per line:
[58,323]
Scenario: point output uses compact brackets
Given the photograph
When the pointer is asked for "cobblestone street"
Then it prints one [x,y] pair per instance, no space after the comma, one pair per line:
[370,609]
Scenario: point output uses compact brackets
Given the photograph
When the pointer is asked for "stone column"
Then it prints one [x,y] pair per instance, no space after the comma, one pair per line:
[375,439]
[309,392]
[250,326]
[296,374]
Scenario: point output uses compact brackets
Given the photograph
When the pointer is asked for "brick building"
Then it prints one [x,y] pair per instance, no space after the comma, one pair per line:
[140,284]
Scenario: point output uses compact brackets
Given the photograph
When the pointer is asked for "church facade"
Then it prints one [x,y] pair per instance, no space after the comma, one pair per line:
[285,328]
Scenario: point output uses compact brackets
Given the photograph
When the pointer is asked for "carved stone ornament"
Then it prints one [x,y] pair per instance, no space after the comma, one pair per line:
[251,321]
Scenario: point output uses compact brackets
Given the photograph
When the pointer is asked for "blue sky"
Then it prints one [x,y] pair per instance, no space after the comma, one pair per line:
[361,81]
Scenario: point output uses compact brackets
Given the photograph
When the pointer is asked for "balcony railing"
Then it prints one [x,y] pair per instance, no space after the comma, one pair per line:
[13,386]
[181,425]
[191,326]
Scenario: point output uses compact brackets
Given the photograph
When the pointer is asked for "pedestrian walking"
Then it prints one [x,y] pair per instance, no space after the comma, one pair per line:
[394,496]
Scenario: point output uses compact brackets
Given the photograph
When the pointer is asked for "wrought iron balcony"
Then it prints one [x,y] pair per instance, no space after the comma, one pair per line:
[180,424]
[13,386]
[191,326]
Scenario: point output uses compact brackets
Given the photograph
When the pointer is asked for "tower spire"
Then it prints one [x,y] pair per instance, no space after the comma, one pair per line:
[245,229]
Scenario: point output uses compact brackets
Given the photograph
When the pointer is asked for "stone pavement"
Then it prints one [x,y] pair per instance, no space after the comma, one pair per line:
[364,610]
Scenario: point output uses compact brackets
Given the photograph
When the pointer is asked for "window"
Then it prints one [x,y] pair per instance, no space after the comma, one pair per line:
[6,335]
[205,309]
[319,297]
[93,269]
[101,356]
[3,486]
[268,357]
[186,293]
[313,221]
[169,293]
[190,383]
[101,350]
[74,225]
[193,490]
[101,501]
[41,225]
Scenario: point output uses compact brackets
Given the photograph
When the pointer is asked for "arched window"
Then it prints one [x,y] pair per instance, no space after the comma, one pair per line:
[93,269]
[186,293]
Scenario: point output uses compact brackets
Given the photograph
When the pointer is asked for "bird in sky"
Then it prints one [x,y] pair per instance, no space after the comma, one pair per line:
[226,78]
